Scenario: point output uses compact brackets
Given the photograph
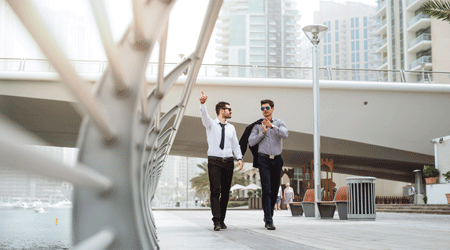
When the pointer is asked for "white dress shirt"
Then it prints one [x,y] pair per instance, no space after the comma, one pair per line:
[214,135]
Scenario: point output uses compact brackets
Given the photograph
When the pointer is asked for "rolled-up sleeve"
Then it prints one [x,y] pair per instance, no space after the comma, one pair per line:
[281,130]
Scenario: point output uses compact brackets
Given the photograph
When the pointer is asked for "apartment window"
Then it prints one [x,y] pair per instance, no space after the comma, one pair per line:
[353,34]
[257,58]
[255,6]
[337,59]
[237,30]
[357,45]
[365,33]
[329,60]
[329,48]
[353,45]
[366,56]
[257,43]
[366,45]
[356,22]
[337,47]
[336,24]
[241,61]
[325,47]
[257,19]
[357,57]
[325,60]
[256,35]
[353,57]
[352,21]
[336,36]
[357,34]
[258,28]
[365,21]
[257,50]
[329,37]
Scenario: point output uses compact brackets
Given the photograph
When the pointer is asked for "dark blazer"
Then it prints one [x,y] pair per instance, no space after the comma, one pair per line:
[243,142]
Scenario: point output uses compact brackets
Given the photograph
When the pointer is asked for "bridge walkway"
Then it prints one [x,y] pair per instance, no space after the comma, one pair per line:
[192,229]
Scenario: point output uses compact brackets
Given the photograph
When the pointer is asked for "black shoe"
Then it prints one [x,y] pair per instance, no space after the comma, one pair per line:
[222,225]
[216,226]
[270,226]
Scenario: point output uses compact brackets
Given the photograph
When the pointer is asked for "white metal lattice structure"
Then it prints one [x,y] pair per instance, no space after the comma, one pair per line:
[124,141]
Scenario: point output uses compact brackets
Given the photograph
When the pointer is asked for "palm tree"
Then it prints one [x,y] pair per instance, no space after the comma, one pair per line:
[439,9]
[201,183]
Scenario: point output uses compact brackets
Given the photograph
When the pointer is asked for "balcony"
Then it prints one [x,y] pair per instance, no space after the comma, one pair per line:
[419,22]
[383,64]
[382,28]
[420,43]
[417,64]
[222,55]
[414,4]
[382,46]
[381,9]
[223,41]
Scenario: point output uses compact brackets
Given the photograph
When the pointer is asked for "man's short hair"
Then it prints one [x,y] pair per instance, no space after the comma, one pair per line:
[270,102]
[220,106]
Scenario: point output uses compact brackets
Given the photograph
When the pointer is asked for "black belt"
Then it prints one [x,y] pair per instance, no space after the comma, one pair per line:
[222,159]
[272,157]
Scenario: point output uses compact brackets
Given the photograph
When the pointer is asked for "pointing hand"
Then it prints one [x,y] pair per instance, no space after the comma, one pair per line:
[203,98]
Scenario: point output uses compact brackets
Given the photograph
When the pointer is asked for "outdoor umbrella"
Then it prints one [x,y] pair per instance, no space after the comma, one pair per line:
[252,187]
[236,186]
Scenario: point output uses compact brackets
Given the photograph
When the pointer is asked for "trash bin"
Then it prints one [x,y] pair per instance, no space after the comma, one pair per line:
[361,198]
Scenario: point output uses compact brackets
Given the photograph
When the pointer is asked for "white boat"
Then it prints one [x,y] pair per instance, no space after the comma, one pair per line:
[22,205]
[63,204]
[39,209]
[6,206]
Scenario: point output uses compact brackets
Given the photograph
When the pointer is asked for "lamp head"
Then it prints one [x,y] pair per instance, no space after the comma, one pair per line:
[315,32]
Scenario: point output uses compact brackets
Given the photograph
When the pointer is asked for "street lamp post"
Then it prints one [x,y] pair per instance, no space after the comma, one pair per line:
[314,33]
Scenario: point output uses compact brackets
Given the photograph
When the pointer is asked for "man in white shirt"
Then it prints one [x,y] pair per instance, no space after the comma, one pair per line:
[222,144]
[411,193]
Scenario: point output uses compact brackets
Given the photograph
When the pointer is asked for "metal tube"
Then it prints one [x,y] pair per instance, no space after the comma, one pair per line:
[25,10]
[101,17]
[101,240]
[436,161]
[29,160]
[317,181]
[161,63]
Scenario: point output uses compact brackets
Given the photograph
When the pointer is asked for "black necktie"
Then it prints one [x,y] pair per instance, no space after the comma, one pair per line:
[222,141]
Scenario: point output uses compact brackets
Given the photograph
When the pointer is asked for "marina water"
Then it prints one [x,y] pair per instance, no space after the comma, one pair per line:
[25,229]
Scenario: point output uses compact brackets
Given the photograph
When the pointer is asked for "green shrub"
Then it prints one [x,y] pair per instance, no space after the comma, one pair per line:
[237,203]
[447,176]
[430,171]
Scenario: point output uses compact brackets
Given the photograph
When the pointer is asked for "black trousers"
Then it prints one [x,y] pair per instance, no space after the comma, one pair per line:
[270,173]
[220,176]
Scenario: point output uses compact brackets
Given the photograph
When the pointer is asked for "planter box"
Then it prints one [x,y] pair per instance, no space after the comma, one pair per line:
[431,180]
[296,208]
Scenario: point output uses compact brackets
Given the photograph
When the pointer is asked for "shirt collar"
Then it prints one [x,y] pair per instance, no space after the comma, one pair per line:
[218,121]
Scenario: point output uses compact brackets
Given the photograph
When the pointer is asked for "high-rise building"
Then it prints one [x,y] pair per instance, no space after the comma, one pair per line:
[411,40]
[258,33]
[348,42]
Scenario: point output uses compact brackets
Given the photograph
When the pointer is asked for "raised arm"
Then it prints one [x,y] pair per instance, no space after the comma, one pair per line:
[206,120]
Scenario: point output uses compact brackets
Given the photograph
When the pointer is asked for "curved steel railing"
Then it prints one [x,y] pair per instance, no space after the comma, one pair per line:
[124,141]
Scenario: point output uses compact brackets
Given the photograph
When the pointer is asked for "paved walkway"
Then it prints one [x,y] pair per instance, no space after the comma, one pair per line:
[181,229]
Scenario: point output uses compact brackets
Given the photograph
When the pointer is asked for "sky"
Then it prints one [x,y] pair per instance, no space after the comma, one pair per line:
[184,23]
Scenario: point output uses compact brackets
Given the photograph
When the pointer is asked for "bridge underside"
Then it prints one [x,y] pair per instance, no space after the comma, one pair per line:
[58,123]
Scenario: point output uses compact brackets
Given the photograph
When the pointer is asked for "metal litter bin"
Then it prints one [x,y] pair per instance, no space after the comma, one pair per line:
[361,198]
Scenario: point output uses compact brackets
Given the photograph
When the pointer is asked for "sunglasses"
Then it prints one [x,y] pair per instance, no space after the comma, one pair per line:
[228,109]
[266,108]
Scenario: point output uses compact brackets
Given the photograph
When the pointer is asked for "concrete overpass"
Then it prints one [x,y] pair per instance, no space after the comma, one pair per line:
[368,128]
